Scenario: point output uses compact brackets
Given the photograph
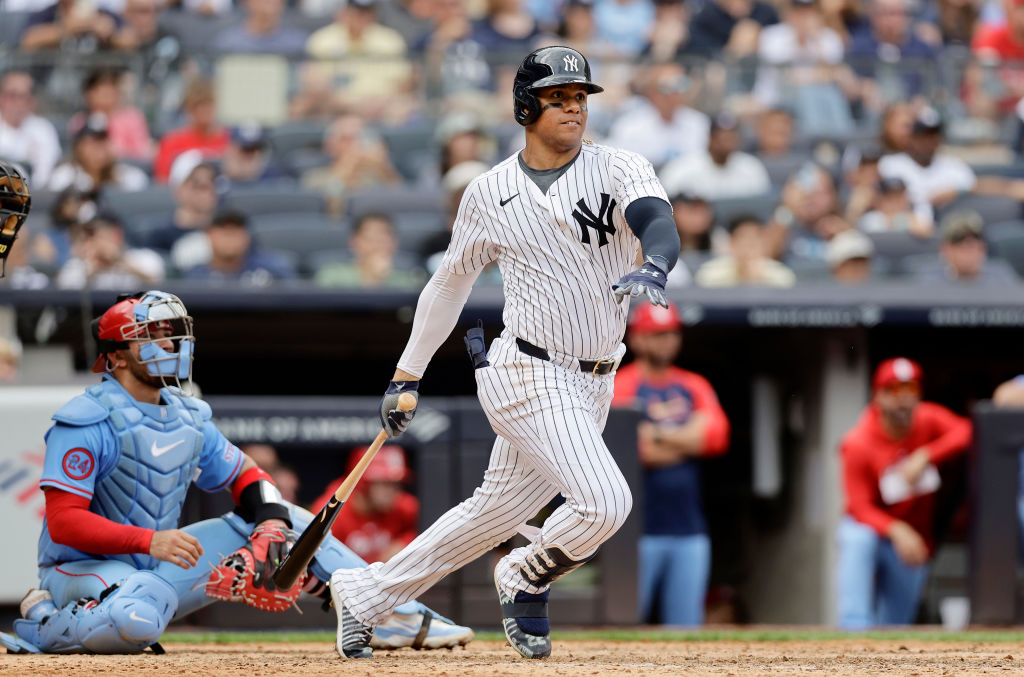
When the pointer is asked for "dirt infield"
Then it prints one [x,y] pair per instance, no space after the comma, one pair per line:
[570,658]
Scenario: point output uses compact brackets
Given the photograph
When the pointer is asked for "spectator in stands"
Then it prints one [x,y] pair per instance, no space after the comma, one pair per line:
[965,256]
[205,7]
[69,25]
[861,179]
[887,43]
[10,359]
[93,167]
[578,29]
[889,461]
[896,128]
[374,244]
[450,52]
[358,160]
[266,459]
[413,19]
[722,170]
[262,32]
[200,133]
[52,247]
[380,517]
[933,179]
[849,257]
[957,21]
[26,138]
[126,125]
[454,184]
[682,423]
[193,183]
[892,212]
[774,133]
[364,67]
[463,139]
[626,23]
[747,263]
[246,161]
[506,29]
[660,124]
[731,27]
[694,217]
[801,62]
[20,274]
[100,259]
[807,219]
[234,258]
[669,39]
[1003,44]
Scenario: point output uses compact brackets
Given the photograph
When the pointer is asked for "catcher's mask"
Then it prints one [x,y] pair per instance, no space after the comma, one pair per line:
[15,202]
[134,318]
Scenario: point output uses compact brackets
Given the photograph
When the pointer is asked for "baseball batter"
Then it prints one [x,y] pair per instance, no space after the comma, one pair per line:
[114,568]
[565,220]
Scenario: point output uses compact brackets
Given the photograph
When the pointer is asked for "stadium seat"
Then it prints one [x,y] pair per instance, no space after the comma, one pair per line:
[1007,242]
[274,199]
[395,199]
[198,33]
[412,149]
[135,205]
[992,208]
[298,146]
[891,249]
[11,27]
[760,206]
[302,234]
[415,228]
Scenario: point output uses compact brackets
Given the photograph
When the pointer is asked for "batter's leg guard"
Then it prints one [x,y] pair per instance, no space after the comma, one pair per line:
[128,617]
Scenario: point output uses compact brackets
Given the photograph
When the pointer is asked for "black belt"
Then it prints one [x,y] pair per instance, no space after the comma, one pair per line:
[598,367]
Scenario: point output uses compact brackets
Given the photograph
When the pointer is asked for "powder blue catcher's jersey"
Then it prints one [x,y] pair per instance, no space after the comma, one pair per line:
[133,460]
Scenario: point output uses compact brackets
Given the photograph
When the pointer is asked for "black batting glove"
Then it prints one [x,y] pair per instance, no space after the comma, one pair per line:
[393,419]
[648,279]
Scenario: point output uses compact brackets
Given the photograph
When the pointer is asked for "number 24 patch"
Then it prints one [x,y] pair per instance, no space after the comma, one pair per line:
[78,463]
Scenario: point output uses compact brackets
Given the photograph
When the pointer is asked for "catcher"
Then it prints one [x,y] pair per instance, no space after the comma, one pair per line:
[114,568]
[15,203]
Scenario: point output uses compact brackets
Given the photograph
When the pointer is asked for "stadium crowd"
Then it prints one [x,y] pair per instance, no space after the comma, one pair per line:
[800,141]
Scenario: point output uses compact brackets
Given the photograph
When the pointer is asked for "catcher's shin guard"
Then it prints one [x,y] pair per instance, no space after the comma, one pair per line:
[128,617]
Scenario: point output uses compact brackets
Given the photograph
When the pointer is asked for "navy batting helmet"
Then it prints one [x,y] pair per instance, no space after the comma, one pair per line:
[545,67]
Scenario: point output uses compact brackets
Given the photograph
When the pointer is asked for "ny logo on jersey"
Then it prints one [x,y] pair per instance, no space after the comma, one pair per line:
[602,223]
[571,64]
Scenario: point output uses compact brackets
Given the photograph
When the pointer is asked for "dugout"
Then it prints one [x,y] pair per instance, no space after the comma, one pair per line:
[790,366]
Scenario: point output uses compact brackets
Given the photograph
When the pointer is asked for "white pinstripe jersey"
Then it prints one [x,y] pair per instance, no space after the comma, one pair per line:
[559,253]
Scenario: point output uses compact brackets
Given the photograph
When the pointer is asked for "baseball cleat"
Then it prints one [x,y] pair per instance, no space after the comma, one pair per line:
[419,631]
[353,637]
[525,619]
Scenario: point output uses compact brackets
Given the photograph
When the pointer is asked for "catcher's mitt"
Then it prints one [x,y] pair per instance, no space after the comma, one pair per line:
[15,202]
[247,574]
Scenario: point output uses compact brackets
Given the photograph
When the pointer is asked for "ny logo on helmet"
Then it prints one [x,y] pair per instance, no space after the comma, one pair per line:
[571,63]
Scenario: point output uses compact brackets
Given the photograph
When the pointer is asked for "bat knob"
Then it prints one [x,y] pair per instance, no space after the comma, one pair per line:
[406,402]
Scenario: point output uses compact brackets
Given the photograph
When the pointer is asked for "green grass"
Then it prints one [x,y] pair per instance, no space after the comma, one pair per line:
[642,635]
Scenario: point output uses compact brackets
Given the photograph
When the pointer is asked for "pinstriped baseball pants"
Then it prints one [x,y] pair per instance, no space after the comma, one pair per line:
[548,420]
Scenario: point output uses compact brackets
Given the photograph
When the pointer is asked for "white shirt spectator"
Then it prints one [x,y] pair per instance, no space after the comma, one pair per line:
[138,267]
[778,46]
[641,129]
[945,173]
[742,175]
[34,142]
[126,177]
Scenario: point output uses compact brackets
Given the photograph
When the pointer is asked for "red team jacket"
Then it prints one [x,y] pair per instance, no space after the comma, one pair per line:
[867,451]
[370,535]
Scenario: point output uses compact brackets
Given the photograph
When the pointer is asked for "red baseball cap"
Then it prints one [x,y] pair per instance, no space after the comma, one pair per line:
[109,330]
[649,319]
[897,370]
[387,466]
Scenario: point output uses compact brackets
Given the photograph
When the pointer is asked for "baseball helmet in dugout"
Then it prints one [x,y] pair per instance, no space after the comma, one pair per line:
[546,67]
[15,203]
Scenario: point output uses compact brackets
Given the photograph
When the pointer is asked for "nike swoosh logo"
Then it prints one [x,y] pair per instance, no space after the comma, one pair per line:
[135,617]
[505,202]
[160,451]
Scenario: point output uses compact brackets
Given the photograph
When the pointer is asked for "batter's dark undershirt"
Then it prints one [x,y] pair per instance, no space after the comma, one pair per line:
[545,177]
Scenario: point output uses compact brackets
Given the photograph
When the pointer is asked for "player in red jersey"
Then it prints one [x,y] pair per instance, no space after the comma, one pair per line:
[889,461]
[683,421]
[381,517]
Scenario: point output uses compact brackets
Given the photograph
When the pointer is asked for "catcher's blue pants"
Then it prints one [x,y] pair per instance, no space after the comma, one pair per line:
[874,585]
[220,536]
[675,570]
